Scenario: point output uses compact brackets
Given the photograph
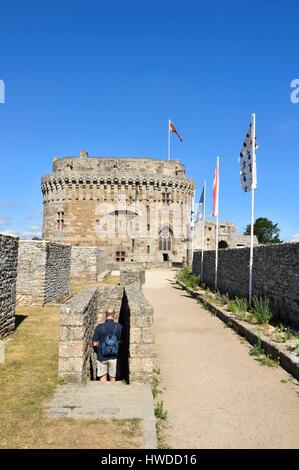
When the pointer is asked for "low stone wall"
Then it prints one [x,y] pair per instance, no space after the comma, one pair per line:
[275,275]
[87,263]
[130,275]
[43,272]
[141,340]
[8,276]
[79,316]
[109,296]
[77,321]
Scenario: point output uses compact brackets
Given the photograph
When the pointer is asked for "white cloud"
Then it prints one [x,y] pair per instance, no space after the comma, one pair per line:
[5,221]
[7,205]
[27,234]
[294,238]
[30,232]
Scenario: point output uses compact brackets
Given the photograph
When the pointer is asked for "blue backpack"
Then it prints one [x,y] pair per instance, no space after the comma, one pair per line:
[109,347]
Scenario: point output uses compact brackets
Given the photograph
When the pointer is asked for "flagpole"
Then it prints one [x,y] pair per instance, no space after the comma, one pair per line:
[253,178]
[203,229]
[217,228]
[168,139]
[192,227]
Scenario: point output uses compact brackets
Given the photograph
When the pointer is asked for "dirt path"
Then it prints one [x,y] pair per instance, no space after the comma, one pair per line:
[217,396]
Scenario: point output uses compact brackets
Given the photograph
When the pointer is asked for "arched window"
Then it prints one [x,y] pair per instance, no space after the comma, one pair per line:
[165,238]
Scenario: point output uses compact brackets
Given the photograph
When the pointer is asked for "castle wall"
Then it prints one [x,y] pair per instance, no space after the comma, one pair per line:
[77,322]
[43,272]
[227,236]
[275,275]
[8,275]
[87,263]
[119,205]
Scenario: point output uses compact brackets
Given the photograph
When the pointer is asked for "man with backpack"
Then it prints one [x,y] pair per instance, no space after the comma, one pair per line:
[105,341]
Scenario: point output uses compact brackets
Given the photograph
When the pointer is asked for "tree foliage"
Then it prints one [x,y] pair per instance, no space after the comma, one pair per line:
[265,230]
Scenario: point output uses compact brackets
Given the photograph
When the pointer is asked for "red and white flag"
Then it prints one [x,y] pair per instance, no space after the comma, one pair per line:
[173,129]
[216,190]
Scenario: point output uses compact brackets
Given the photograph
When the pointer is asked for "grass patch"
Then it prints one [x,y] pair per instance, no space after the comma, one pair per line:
[111,280]
[28,379]
[268,361]
[77,287]
[264,359]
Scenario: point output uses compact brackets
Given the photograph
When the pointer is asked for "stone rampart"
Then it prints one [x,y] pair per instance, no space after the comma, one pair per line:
[275,275]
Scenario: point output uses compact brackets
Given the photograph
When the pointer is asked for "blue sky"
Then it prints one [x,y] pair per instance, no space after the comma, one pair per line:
[106,76]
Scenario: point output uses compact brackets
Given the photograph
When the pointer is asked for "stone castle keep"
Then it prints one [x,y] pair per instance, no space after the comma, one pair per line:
[137,209]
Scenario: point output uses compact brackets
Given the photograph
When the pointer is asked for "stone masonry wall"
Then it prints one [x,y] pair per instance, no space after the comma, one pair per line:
[79,316]
[109,296]
[8,276]
[275,275]
[58,266]
[77,322]
[141,341]
[43,272]
[88,263]
[129,275]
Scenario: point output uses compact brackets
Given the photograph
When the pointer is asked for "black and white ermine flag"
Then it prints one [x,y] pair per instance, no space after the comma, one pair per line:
[248,163]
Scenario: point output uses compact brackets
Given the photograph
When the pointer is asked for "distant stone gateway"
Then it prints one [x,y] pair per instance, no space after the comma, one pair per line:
[137,209]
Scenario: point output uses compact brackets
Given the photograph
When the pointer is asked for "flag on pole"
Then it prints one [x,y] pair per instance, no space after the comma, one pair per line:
[216,191]
[248,163]
[173,129]
[200,210]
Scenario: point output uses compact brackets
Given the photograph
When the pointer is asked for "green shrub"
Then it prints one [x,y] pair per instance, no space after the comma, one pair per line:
[222,299]
[187,277]
[238,307]
[260,310]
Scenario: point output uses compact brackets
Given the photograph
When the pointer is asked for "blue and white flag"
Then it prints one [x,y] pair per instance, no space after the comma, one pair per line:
[200,210]
[248,163]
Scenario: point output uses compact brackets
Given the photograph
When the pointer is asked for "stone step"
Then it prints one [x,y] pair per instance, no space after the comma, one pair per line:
[96,400]
[103,275]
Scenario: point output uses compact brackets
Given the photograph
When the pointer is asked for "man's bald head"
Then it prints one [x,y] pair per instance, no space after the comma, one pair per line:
[110,313]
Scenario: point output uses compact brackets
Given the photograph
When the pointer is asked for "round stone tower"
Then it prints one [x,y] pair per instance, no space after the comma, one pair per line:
[138,209]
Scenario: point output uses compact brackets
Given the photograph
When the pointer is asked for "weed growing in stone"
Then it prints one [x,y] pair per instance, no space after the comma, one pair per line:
[264,359]
[257,349]
[155,386]
[285,333]
[160,412]
[260,310]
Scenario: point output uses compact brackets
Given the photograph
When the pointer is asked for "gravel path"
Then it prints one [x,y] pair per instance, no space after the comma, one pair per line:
[217,396]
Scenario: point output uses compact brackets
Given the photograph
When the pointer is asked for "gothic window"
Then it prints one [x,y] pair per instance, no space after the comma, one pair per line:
[165,238]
